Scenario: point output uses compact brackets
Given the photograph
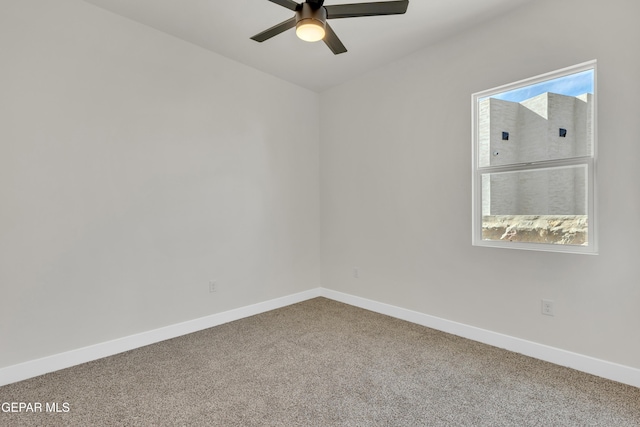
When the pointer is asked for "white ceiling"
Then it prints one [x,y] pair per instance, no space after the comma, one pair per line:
[225,27]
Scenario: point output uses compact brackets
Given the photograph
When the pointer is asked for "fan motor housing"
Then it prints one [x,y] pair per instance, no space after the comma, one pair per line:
[307,14]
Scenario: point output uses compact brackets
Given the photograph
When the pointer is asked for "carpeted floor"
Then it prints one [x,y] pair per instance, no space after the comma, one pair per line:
[322,363]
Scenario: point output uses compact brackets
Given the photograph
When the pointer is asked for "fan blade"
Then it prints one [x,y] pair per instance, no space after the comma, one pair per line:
[275,30]
[367,9]
[289,4]
[332,41]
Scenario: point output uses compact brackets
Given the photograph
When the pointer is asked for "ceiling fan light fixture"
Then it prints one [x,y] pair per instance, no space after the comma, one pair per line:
[311,22]
[311,19]
[310,30]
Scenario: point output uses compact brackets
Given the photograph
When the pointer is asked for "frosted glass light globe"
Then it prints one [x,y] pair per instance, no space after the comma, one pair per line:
[310,31]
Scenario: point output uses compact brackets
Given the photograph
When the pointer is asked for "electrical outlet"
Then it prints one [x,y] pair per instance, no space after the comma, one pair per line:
[356,273]
[547,307]
[213,286]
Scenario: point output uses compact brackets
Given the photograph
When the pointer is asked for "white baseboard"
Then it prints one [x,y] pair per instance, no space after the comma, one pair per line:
[601,368]
[67,359]
[590,365]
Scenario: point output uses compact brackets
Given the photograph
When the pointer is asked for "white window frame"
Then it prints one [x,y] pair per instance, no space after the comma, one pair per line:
[590,161]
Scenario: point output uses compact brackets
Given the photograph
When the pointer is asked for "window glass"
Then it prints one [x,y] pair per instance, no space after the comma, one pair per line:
[547,205]
[544,121]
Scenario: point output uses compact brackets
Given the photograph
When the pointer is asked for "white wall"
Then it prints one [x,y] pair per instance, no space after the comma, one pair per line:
[134,168]
[396,183]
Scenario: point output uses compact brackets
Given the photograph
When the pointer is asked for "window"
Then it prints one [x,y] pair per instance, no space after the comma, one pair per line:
[534,158]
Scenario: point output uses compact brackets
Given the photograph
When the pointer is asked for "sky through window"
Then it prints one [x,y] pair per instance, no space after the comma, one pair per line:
[571,85]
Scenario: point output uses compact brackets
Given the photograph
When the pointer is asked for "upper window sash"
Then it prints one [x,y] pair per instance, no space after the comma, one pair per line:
[528,131]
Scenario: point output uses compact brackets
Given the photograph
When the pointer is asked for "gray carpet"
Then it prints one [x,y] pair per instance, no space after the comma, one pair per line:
[323,363]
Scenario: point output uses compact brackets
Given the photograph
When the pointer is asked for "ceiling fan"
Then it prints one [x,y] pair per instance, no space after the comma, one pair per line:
[311,19]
